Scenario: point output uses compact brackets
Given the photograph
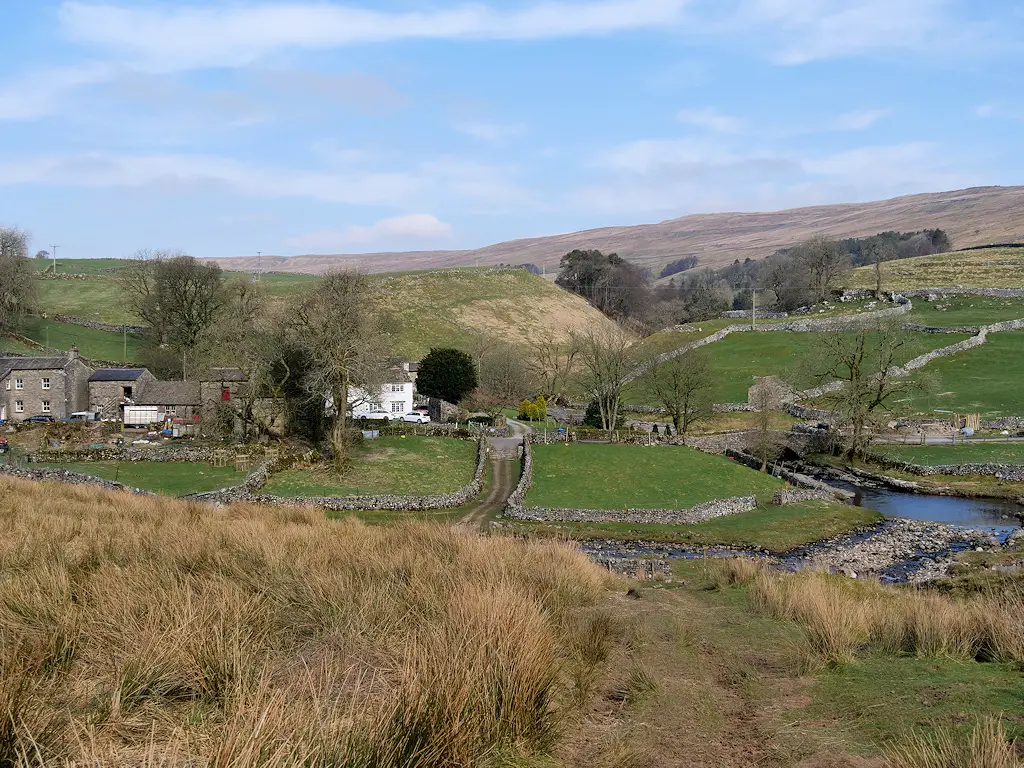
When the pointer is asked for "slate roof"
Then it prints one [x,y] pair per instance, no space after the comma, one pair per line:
[9,364]
[117,374]
[226,374]
[169,393]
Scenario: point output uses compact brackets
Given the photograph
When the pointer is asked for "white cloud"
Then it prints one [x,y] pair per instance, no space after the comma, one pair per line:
[411,229]
[494,133]
[859,120]
[710,119]
[999,112]
[658,176]
[182,37]
[40,93]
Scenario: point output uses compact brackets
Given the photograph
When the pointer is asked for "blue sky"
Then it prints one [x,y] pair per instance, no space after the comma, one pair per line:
[226,128]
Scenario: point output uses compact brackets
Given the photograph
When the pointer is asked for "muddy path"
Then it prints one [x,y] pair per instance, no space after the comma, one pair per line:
[504,476]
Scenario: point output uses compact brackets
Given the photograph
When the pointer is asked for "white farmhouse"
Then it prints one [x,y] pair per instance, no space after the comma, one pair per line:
[395,396]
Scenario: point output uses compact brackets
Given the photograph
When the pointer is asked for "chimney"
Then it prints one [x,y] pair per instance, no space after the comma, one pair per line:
[74,352]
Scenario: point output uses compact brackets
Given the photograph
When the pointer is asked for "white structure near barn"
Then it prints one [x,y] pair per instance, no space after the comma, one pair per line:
[395,396]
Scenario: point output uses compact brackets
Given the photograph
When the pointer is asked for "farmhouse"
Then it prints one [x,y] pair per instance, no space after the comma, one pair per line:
[43,386]
[395,395]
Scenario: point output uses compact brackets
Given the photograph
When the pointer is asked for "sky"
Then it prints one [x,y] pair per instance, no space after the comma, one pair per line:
[227,128]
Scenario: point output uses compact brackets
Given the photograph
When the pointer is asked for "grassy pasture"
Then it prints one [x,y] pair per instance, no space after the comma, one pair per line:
[81,266]
[92,344]
[978,268]
[601,476]
[985,380]
[966,453]
[171,478]
[740,356]
[965,311]
[776,529]
[413,466]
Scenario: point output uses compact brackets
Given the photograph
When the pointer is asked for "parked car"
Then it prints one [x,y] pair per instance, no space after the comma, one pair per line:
[421,408]
[416,417]
[40,418]
[80,416]
[376,416]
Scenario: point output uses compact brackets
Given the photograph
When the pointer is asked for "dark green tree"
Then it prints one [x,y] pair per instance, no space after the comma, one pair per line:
[446,373]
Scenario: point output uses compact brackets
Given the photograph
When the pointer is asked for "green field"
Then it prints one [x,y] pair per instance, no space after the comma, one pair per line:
[740,356]
[8,345]
[81,266]
[978,268]
[967,453]
[172,478]
[413,466]
[92,344]
[601,476]
[986,380]
[776,529]
[965,311]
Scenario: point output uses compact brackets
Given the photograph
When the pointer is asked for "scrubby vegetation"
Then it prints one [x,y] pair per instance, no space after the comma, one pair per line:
[155,632]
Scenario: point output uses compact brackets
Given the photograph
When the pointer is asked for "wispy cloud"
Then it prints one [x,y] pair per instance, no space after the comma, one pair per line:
[710,119]
[40,92]
[411,229]
[494,133]
[999,112]
[858,120]
[230,35]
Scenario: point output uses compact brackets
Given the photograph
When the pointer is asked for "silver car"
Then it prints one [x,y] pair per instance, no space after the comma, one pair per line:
[416,417]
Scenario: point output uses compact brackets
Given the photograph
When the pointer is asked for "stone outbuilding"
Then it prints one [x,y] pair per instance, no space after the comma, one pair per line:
[112,388]
[174,401]
[43,386]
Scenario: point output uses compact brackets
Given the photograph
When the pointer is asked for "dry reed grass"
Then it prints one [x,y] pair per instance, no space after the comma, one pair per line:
[987,747]
[158,632]
[841,617]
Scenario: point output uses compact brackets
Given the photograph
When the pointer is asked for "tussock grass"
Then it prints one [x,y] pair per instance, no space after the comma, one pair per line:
[159,632]
[841,617]
[987,747]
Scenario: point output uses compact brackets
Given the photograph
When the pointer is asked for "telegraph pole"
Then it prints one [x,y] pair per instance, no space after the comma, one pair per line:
[53,252]
[753,308]
[259,265]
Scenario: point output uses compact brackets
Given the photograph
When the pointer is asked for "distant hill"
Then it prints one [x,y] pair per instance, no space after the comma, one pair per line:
[971,217]
[448,307]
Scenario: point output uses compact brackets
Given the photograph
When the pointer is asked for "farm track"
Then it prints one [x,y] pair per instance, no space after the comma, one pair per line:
[501,486]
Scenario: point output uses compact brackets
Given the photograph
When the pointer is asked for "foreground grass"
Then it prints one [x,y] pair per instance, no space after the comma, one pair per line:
[151,631]
[964,453]
[92,344]
[775,529]
[413,466]
[600,476]
[171,478]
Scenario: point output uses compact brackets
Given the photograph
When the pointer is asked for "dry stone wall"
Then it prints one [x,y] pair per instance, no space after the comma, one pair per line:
[517,499]
[785,496]
[696,514]
[182,453]
[53,474]
[1012,472]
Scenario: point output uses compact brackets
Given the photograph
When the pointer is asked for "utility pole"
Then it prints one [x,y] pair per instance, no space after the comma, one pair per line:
[259,265]
[125,329]
[53,252]
[753,308]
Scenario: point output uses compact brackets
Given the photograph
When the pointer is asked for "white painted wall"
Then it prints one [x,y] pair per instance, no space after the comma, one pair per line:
[394,398]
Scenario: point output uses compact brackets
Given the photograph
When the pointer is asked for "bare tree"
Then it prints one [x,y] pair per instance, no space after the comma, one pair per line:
[552,363]
[341,330]
[502,378]
[684,386]
[605,364]
[822,262]
[17,288]
[865,362]
[765,445]
[176,295]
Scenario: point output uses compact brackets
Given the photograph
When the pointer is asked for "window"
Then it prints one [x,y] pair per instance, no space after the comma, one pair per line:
[7,385]
[375,406]
[46,382]
[46,406]
[19,406]
[396,387]
[19,383]
[398,407]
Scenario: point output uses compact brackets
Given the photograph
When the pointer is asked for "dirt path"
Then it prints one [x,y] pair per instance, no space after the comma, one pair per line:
[503,481]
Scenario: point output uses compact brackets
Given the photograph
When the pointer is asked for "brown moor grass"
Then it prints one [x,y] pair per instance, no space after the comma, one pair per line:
[842,617]
[151,631]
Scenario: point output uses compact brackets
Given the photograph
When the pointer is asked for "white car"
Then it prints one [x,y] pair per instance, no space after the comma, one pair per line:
[416,417]
[375,416]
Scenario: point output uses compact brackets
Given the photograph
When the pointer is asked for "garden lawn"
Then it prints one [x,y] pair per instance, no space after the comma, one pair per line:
[409,466]
[602,476]
[986,380]
[776,529]
[965,310]
[92,344]
[739,357]
[968,453]
[172,478]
